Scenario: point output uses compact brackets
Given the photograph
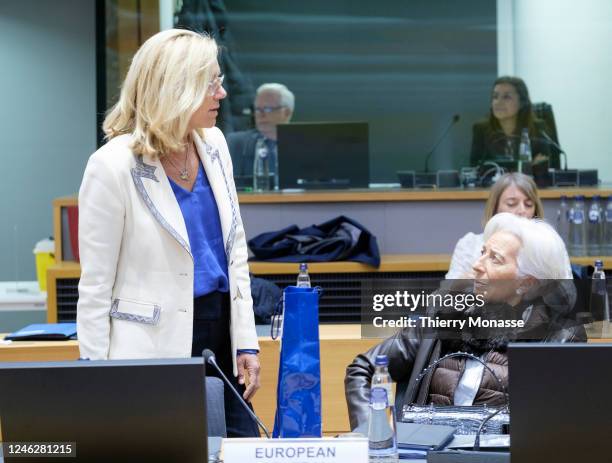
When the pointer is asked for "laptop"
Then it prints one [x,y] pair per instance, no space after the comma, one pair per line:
[560,407]
[117,410]
[323,155]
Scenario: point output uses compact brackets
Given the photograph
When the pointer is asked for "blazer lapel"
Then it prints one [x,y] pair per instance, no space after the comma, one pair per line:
[154,188]
[219,183]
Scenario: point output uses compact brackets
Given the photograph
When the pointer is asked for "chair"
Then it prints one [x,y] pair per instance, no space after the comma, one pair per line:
[544,111]
[215,409]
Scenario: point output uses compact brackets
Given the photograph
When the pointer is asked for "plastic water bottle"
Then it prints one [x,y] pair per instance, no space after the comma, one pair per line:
[563,219]
[606,248]
[577,229]
[599,304]
[303,279]
[382,378]
[261,168]
[595,228]
[382,437]
[524,150]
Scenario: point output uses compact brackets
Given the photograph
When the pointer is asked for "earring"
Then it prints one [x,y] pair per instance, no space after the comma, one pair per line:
[519,291]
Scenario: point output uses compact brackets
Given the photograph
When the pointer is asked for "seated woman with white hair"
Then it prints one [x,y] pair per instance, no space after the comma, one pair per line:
[522,275]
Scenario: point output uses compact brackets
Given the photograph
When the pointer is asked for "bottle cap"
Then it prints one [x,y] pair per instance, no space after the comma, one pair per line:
[598,263]
[596,197]
[579,197]
[563,196]
[303,266]
[381,360]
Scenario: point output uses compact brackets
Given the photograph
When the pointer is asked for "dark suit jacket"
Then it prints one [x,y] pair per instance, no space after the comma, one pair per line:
[242,150]
[488,145]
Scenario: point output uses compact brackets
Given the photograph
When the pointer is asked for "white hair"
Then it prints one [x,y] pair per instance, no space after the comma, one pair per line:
[542,254]
[287,98]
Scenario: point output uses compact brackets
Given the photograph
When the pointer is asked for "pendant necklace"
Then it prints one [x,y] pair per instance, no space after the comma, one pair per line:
[183,173]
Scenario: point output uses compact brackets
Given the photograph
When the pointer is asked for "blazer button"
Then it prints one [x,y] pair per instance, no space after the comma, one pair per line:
[232,262]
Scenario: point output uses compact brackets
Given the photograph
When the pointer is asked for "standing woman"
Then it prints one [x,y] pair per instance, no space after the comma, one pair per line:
[164,268]
[498,137]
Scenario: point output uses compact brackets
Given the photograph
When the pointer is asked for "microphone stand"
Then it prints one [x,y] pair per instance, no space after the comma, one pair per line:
[454,120]
[209,356]
[556,145]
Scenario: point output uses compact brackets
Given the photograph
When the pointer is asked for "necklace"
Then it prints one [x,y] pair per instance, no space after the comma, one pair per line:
[184,172]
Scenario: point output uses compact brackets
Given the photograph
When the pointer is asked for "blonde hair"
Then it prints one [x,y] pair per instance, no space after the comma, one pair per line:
[167,82]
[523,183]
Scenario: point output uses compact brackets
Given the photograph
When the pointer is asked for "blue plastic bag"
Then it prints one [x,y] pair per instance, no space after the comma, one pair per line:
[298,399]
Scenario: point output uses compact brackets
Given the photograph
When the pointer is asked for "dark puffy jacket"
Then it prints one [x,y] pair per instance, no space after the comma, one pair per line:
[410,352]
[449,371]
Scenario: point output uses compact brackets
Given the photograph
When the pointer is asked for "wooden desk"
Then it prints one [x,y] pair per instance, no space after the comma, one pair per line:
[38,351]
[401,194]
[399,218]
[389,263]
[339,346]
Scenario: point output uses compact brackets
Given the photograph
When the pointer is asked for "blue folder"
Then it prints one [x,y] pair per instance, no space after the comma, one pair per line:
[44,332]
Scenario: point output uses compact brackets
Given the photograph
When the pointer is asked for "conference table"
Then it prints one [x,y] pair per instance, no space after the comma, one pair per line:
[339,345]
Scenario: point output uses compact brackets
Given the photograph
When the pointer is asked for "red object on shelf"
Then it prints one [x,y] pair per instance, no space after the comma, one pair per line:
[73,229]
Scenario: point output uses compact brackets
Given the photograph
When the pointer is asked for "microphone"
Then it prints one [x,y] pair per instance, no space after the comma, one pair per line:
[453,121]
[556,145]
[476,447]
[209,357]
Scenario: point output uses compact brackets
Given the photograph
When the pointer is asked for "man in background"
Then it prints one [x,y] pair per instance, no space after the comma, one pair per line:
[274,104]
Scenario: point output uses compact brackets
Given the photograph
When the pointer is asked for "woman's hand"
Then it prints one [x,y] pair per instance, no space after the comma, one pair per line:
[248,363]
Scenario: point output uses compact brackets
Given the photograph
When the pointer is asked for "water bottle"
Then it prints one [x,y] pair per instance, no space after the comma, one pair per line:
[261,168]
[595,228]
[303,279]
[524,150]
[563,219]
[577,229]
[382,437]
[382,378]
[606,248]
[599,304]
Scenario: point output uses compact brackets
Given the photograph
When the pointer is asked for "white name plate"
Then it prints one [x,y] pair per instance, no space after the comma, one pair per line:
[325,450]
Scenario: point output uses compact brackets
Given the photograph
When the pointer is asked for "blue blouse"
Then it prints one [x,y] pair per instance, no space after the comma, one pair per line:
[201,215]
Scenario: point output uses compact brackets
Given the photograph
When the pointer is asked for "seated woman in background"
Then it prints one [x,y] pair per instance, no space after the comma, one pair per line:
[522,274]
[498,137]
[515,193]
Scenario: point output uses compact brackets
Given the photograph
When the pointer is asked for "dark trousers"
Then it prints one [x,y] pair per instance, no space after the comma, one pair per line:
[211,330]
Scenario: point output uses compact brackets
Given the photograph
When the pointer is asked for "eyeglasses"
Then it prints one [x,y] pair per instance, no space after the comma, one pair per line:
[215,85]
[267,109]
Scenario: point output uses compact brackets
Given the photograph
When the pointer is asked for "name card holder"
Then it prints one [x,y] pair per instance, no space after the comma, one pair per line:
[323,450]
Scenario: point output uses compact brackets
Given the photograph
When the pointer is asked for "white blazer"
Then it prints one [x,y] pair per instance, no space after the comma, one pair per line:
[136,287]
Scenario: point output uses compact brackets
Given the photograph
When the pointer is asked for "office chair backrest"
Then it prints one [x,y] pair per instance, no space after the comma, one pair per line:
[544,111]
